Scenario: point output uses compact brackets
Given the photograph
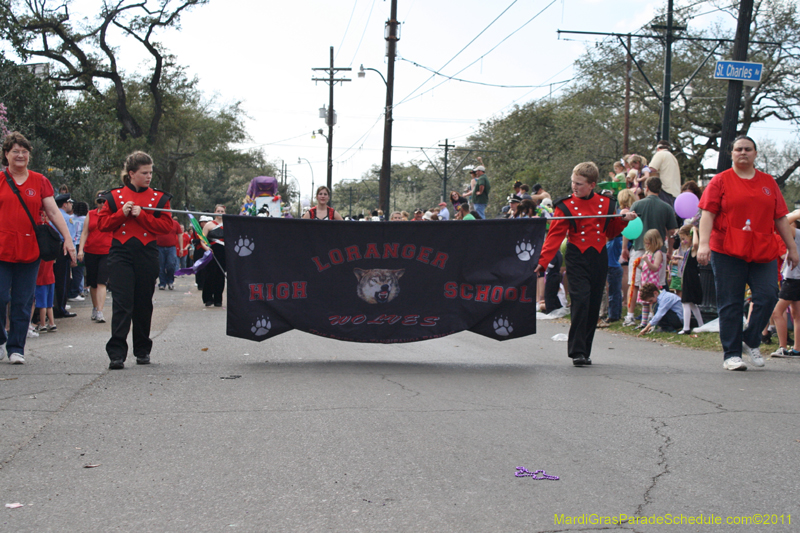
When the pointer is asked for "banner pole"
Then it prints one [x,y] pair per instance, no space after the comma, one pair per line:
[616,215]
[180,211]
[193,213]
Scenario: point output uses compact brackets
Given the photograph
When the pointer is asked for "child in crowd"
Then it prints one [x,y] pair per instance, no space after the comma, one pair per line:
[652,263]
[676,263]
[692,289]
[789,296]
[45,292]
[619,172]
[669,313]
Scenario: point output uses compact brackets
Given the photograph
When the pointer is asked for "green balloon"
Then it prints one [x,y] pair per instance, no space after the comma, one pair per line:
[633,229]
[564,247]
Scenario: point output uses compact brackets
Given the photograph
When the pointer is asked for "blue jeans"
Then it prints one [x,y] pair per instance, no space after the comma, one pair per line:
[480,209]
[730,277]
[17,285]
[614,278]
[167,263]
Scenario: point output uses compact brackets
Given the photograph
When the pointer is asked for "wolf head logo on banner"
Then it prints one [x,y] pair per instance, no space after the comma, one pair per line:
[379,285]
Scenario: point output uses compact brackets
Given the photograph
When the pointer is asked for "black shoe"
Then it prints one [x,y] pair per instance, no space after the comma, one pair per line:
[766,338]
[116,364]
[217,305]
[209,304]
[581,361]
[588,361]
[144,360]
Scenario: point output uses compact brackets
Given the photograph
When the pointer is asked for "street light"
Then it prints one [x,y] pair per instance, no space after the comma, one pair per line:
[391,36]
[362,73]
[386,166]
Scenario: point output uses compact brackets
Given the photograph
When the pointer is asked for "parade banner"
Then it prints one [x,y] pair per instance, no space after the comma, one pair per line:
[383,282]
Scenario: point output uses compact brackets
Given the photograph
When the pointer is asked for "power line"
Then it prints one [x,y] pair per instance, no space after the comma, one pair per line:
[347,28]
[459,52]
[365,134]
[282,140]
[473,82]
[363,33]
[408,98]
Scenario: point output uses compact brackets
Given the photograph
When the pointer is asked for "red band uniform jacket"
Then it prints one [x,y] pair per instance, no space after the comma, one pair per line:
[146,226]
[584,233]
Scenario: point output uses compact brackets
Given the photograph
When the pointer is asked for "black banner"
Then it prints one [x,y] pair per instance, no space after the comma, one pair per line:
[381,282]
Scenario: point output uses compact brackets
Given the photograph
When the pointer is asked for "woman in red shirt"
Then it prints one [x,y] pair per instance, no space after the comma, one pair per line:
[93,251]
[19,249]
[741,209]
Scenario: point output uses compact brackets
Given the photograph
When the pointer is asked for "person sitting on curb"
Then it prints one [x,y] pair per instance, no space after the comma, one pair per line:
[669,309]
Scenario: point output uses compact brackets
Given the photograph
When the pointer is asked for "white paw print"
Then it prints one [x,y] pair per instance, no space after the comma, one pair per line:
[244,246]
[261,327]
[502,326]
[524,250]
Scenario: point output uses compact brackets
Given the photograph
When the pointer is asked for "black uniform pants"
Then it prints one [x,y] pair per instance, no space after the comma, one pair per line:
[214,283]
[61,271]
[587,278]
[133,270]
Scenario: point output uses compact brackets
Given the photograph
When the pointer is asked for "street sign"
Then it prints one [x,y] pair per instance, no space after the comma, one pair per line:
[748,73]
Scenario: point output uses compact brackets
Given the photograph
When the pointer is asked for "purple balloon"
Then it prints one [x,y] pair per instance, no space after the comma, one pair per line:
[686,204]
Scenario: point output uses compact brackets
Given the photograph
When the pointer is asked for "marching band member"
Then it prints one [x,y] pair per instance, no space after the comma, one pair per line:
[586,257]
[133,257]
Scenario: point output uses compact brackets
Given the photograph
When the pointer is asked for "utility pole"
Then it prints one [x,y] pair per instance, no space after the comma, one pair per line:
[331,81]
[626,133]
[446,147]
[384,186]
[666,100]
[731,118]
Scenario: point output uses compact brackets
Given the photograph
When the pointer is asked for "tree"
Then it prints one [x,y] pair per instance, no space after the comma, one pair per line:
[542,140]
[59,132]
[83,54]
[697,119]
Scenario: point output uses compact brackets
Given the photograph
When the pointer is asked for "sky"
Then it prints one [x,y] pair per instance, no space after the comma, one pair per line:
[261,53]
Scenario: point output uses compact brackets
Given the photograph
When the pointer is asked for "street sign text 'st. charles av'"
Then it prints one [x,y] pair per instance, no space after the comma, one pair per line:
[748,73]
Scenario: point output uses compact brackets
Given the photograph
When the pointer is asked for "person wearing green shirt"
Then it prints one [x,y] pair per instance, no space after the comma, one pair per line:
[479,195]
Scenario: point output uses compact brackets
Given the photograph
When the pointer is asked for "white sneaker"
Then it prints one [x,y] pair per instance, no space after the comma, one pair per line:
[16,359]
[99,318]
[32,333]
[94,313]
[734,363]
[629,322]
[754,354]
[2,351]
[78,298]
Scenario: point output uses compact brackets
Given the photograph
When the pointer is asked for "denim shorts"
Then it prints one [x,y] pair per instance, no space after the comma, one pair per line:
[44,295]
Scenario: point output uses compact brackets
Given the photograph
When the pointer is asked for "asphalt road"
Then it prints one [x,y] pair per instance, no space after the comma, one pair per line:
[306,434]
